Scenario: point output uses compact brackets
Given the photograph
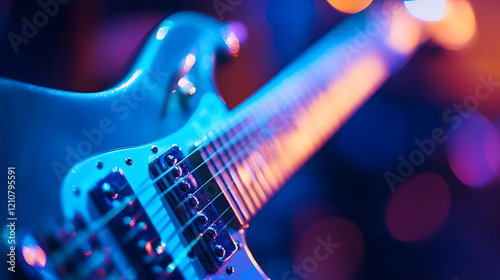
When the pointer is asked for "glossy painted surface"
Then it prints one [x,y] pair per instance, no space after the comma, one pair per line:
[169,91]
[211,111]
[51,130]
[169,88]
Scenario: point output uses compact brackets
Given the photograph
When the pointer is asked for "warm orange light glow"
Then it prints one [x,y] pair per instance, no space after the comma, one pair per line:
[246,180]
[245,197]
[148,247]
[233,44]
[342,96]
[264,176]
[363,78]
[404,35]
[458,26]
[34,255]
[350,6]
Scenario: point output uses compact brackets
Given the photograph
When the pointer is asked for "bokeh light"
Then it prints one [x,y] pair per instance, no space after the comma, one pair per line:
[233,44]
[418,207]
[472,148]
[426,10]
[404,35]
[190,60]
[458,26]
[162,32]
[239,30]
[34,255]
[350,6]
[330,249]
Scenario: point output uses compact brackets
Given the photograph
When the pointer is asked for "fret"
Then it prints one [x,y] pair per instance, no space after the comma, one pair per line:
[283,125]
[257,163]
[266,155]
[235,185]
[257,141]
[259,182]
[239,174]
[239,187]
[245,171]
[274,145]
[265,177]
[239,207]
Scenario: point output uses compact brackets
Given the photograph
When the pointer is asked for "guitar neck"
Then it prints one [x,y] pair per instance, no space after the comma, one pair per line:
[281,126]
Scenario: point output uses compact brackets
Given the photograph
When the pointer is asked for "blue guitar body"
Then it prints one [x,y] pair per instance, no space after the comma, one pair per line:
[156,178]
[50,130]
[61,128]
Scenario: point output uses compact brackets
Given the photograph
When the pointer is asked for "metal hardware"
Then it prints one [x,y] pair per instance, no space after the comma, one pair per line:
[209,222]
[133,222]
[230,270]
[154,149]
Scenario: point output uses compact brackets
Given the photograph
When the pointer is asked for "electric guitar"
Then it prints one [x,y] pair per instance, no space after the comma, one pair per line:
[176,204]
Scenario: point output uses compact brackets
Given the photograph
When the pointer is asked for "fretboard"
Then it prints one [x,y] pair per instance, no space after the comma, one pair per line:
[280,127]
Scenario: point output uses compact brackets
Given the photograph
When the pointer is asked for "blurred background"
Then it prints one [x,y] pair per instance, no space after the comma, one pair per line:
[396,203]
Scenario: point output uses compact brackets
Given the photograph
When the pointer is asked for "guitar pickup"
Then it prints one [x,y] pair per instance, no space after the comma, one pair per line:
[132,228]
[199,205]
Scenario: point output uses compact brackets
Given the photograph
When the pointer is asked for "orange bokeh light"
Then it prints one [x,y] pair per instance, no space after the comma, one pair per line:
[405,33]
[233,44]
[34,255]
[458,26]
[350,6]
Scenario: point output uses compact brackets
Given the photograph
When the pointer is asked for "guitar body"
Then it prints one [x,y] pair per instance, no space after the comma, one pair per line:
[49,131]
[156,178]
[210,111]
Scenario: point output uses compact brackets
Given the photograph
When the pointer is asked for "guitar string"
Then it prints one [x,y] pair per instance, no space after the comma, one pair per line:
[240,116]
[190,246]
[107,217]
[234,159]
[102,221]
[223,148]
[184,253]
[217,152]
[227,165]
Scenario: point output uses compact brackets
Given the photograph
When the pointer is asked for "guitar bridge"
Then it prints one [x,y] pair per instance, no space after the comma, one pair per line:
[199,205]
